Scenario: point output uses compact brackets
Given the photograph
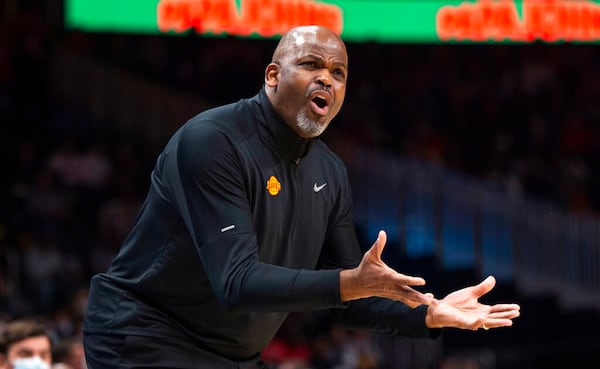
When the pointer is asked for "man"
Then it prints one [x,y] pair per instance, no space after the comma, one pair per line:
[249,217]
[25,344]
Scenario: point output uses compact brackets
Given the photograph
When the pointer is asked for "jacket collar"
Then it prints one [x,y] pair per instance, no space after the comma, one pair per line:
[278,134]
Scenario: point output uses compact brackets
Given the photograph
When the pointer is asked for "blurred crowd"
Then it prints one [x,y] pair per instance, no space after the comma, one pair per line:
[524,117]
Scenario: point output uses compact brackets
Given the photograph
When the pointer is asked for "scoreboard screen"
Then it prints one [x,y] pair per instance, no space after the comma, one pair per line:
[397,21]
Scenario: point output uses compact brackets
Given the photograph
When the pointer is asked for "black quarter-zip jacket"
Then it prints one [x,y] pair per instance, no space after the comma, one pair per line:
[244,221]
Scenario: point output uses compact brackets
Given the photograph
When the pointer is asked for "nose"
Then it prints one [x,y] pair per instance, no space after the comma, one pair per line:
[323,79]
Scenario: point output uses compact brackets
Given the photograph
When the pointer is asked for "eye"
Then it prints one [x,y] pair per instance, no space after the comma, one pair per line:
[310,64]
[339,73]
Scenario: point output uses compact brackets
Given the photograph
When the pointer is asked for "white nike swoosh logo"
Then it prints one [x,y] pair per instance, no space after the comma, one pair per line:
[319,188]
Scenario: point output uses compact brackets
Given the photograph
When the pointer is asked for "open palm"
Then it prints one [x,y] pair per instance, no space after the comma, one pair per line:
[462,309]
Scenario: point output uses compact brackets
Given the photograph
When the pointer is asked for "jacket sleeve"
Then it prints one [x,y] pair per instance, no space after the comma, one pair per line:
[387,316]
[213,203]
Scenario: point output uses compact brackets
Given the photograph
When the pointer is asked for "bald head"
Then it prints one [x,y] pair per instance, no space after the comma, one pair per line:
[297,37]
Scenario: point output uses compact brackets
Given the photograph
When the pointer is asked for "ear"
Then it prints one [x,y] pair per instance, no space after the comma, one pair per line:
[272,74]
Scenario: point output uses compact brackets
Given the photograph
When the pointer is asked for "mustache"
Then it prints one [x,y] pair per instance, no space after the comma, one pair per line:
[319,88]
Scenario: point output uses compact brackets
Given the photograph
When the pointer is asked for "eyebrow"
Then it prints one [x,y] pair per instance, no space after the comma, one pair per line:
[315,56]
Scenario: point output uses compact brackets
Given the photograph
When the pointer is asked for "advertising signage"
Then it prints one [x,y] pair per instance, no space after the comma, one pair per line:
[424,21]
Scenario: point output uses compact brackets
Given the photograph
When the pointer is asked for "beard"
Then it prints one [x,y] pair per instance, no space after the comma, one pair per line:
[309,127]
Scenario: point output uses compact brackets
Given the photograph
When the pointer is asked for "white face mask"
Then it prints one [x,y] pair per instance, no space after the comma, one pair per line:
[30,363]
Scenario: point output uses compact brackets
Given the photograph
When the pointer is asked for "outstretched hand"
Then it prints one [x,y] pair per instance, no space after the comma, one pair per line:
[372,277]
[462,309]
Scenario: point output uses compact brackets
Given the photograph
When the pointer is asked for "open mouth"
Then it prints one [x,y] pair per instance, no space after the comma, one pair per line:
[320,103]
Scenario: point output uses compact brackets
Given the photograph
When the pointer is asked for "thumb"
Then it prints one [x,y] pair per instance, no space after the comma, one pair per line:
[485,286]
[379,244]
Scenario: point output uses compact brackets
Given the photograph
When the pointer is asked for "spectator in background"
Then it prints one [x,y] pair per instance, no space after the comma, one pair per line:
[25,344]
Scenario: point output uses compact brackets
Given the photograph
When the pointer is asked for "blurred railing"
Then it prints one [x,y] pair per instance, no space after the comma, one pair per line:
[464,223]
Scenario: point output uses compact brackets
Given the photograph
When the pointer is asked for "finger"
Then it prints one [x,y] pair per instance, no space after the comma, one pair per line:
[416,296]
[509,314]
[505,307]
[496,323]
[484,287]
[414,302]
[406,280]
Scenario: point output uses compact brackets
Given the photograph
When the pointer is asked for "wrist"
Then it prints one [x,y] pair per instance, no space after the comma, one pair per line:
[348,285]
[430,316]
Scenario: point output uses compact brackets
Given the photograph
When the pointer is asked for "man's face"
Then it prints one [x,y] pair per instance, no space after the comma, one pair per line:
[309,80]
[29,348]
